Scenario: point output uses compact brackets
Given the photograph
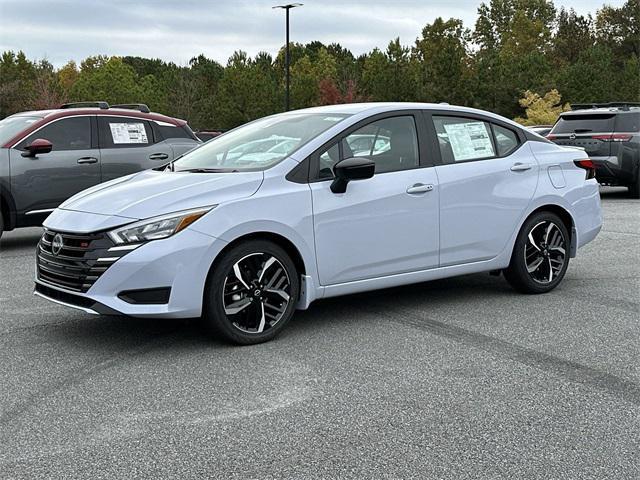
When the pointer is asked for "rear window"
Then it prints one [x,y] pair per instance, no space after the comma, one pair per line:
[597,123]
[628,122]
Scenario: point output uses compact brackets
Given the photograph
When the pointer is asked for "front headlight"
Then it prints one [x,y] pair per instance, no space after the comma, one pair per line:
[157,227]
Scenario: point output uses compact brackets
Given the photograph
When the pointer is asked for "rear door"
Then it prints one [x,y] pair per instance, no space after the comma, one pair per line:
[39,184]
[128,145]
[487,177]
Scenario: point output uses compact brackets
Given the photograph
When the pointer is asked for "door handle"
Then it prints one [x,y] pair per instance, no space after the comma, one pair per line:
[85,160]
[521,167]
[419,188]
[158,156]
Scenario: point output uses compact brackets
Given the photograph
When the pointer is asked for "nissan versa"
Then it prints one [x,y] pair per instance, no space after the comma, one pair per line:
[269,217]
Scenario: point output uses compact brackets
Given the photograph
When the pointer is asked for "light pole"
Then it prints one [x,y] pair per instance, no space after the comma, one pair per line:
[287,7]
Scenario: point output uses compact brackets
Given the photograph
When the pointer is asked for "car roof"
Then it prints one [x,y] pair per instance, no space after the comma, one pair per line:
[67,112]
[373,108]
[601,110]
[47,116]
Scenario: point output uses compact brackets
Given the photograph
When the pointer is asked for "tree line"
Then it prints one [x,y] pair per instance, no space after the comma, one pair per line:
[522,56]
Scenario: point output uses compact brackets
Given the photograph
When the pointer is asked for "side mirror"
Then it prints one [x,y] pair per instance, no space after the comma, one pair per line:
[355,168]
[37,147]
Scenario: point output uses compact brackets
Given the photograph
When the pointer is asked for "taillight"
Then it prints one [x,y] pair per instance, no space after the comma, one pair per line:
[551,137]
[587,165]
[613,137]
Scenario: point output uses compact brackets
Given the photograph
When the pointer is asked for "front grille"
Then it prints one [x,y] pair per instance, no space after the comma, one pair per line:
[78,263]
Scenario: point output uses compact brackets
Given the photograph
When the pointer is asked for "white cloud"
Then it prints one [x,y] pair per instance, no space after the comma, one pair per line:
[177,31]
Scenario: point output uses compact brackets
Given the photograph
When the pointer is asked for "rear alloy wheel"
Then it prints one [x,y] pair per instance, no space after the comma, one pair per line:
[251,293]
[541,254]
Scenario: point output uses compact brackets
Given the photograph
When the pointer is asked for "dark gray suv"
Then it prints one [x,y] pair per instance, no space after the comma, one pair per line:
[610,135]
[47,156]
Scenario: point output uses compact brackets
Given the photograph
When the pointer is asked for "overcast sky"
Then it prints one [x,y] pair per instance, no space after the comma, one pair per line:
[177,30]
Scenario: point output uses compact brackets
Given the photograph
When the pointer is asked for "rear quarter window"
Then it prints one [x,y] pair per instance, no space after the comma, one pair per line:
[597,123]
[169,132]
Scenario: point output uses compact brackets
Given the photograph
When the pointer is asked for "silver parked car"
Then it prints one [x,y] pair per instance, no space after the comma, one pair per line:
[47,156]
[244,240]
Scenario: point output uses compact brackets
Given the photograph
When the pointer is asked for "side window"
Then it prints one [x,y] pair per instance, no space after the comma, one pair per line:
[123,132]
[72,133]
[172,131]
[506,140]
[392,143]
[463,139]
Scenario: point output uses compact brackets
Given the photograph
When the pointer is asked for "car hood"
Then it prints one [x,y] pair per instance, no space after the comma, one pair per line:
[151,193]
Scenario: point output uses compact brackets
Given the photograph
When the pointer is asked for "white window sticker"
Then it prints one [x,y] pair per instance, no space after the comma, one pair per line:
[469,140]
[128,133]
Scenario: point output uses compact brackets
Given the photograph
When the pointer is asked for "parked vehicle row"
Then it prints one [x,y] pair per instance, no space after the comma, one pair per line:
[316,203]
[610,135]
[47,156]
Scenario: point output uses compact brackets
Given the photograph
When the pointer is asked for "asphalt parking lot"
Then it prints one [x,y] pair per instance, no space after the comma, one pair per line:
[460,378]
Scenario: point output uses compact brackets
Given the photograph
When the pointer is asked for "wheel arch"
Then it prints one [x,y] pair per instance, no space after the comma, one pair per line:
[280,240]
[305,296]
[566,218]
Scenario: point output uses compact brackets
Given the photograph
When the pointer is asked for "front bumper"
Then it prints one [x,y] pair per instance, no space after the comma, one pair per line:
[180,262]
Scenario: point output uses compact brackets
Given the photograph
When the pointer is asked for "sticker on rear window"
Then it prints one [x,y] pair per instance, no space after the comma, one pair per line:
[469,140]
[123,133]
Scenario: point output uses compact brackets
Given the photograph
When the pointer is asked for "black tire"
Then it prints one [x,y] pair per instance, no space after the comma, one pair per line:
[550,245]
[252,294]
[1,225]
[634,189]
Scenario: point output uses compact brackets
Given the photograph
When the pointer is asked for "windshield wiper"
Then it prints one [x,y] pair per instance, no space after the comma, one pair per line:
[207,170]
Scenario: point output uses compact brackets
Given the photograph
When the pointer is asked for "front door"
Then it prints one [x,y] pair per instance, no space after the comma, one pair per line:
[384,225]
[39,184]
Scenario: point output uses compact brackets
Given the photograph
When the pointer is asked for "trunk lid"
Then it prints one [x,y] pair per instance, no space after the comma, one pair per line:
[585,130]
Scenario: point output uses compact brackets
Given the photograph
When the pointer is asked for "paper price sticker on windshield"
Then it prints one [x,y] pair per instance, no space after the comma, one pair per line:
[128,133]
[469,140]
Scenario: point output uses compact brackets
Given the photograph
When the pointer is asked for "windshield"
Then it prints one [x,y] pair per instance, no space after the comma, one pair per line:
[258,145]
[11,126]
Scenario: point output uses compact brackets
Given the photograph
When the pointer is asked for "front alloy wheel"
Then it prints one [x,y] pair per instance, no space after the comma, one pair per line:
[251,292]
[540,255]
[256,293]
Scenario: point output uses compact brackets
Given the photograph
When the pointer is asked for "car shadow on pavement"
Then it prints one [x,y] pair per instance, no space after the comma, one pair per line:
[123,333]
[120,338]
[127,334]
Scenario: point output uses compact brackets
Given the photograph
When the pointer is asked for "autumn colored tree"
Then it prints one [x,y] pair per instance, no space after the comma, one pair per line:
[541,110]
